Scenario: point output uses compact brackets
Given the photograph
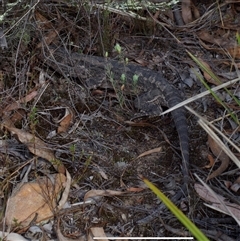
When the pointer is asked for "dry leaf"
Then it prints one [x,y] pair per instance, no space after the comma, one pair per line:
[186,11]
[195,11]
[66,191]
[135,189]
[211,161]
[48,39]
[97,232]
[95,193]
[237,180]
[206,36]
[234,51]
[101,171]
[225,45]
[34,200]
[227,184]
[205,194]
[158,149]
[18,115]
[208,197]
[24,100]
[207,76]
[35,145]
[42,22]
[222,156]
[65,122]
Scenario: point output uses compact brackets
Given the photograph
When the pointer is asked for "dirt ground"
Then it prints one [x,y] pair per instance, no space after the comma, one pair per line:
[98,137]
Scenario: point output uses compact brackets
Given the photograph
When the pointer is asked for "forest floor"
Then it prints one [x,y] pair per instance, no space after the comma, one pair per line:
[57,136]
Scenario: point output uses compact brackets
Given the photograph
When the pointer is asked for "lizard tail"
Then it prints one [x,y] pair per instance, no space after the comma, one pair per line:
[179,117]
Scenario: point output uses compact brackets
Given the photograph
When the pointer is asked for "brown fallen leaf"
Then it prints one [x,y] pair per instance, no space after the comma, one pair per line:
[186,11]
[101,171]
[196,13]
[207,76]
[49,38]
[18,115]
[222,156]
[34,200]
[237,180]
[24,100]
[154,150]
[65,122]
[35,145]
[225,45]
[216,204]
[65,193]
[206,36]
[97,232]
[42,22]
[108,193]
[211,161]
[135,189]
[227,184]
[206,195]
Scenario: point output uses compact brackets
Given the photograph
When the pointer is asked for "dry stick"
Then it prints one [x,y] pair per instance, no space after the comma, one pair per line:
[196,97]
[128,14]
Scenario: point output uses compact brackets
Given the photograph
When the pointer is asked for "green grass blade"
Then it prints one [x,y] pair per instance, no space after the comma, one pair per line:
[213,76]
[234,117]
[196,232]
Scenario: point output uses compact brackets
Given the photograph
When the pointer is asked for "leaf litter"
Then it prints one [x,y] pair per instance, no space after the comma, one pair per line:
[87,139]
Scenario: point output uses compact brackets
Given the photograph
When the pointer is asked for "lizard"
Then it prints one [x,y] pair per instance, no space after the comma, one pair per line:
[152,90]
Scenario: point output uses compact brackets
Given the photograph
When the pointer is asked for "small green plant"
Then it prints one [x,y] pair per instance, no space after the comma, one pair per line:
[119,90]
[56,163]
[123,79]
[135,82]
[16,223]
[72,151]
[118,48]
[33,118]
[84,169]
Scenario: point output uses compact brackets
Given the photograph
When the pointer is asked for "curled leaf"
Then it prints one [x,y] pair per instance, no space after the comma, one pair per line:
[222,156]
